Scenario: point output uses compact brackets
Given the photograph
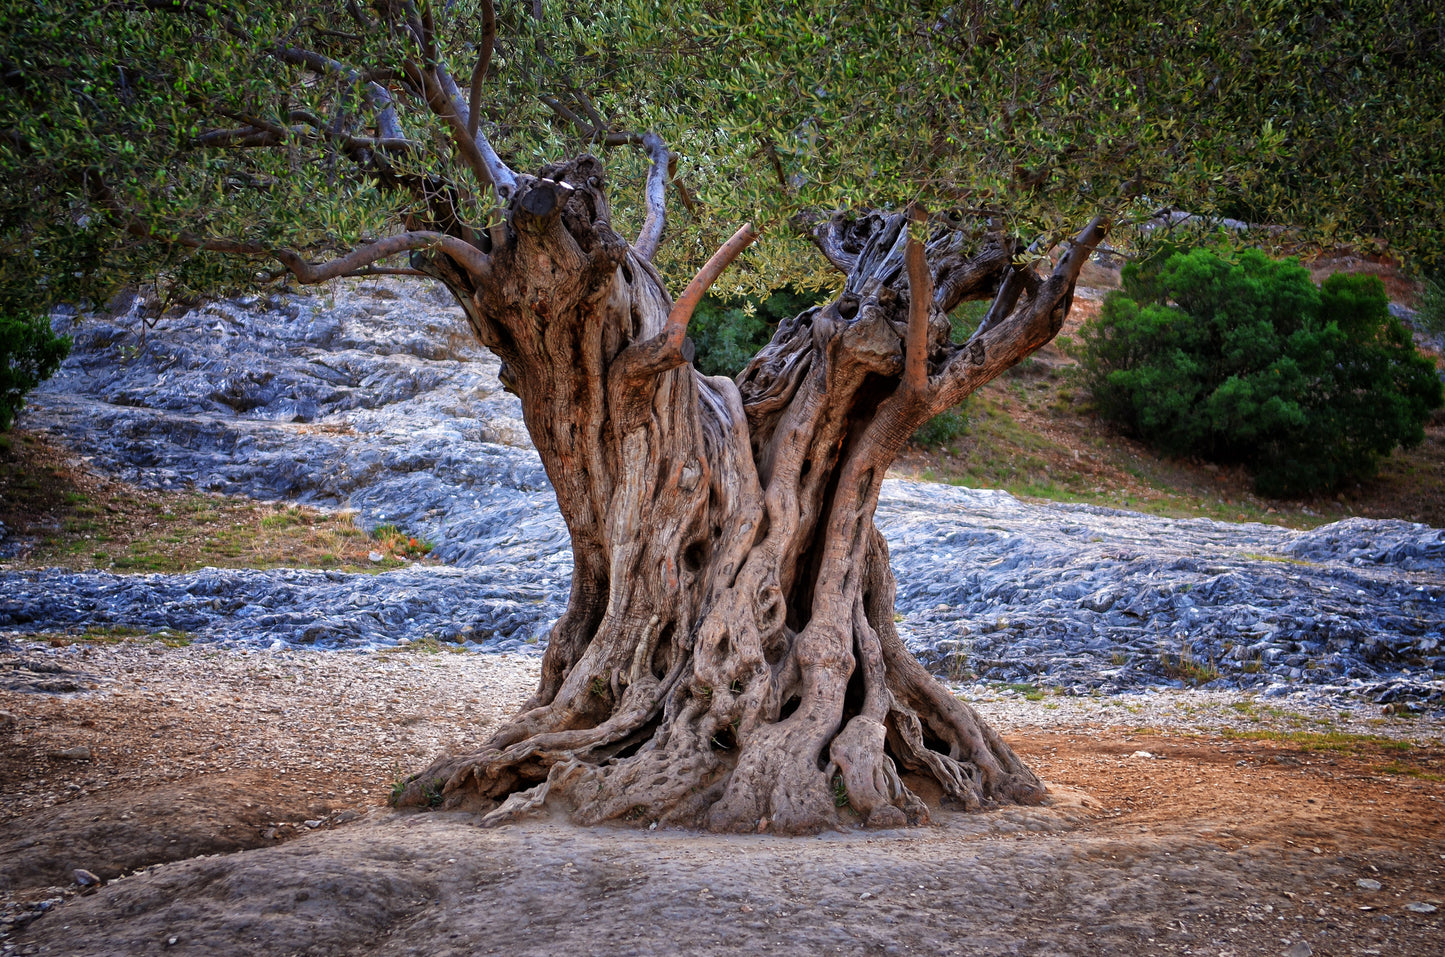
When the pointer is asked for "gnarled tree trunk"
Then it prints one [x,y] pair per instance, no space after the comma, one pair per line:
[728,657]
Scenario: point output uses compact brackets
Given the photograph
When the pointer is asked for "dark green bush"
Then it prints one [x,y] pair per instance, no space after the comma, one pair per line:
[1249,362]
[942,428]
[727,333]
[29,353]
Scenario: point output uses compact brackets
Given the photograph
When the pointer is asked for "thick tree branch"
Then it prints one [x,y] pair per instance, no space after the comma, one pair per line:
[374,95]
[385,271]
[1029,314]
[452,107]
[656,194]
[471,258]
[920,301]
[682,310]
[484,60]
[668,349]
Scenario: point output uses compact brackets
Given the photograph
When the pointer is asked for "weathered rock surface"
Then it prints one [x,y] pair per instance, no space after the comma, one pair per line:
[377,398]
[500,606]
[1089,597]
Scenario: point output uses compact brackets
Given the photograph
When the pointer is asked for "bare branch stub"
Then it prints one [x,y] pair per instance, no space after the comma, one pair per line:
[670,347]
[920,301]
[471,258]
[681,313]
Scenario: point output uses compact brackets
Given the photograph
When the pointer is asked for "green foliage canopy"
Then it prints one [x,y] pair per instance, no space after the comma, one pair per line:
[1248,361]
[729,332]
[131,133]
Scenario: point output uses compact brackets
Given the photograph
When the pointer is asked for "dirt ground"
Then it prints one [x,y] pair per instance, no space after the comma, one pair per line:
[233,802]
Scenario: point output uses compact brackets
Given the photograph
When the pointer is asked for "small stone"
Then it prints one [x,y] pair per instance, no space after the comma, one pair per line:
[1369,884]
[80,753]
[172,941]
[1141,754]
[1420,907]
[864,896]
[85,878]
[8,721]
[313,824]
[1299,948]
[375,556]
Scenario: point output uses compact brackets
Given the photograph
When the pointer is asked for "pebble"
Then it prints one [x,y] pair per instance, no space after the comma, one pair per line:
[376,397]
[85,878]
[1299,948]
[1368,883]
[80,753]
[1420,907]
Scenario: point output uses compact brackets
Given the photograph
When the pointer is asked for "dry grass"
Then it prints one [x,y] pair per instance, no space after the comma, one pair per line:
[1033,433]
[80,520]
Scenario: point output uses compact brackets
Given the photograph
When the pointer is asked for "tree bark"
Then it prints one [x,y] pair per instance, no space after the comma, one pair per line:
[728,657]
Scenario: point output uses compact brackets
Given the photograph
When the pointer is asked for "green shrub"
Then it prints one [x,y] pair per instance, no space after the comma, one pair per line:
[29,353]
[942,428]
[1249,362]
[727,333]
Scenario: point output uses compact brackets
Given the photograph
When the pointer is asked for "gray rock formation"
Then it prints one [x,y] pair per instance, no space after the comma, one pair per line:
[376,397]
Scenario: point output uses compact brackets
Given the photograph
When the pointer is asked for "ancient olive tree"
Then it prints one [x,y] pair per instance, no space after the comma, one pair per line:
[728,657]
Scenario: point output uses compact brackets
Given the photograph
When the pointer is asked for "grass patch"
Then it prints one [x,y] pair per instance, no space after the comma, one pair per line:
[79,520]
[428,645]
[1188,669]
[395,542]
[1031,692]
[115,635]
[1407,770]
[1282,559]
[1321,740]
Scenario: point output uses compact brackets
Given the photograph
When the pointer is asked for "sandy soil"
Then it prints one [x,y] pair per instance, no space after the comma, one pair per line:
[243,796]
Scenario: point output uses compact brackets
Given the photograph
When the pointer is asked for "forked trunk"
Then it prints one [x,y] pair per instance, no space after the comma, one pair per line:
[728,657]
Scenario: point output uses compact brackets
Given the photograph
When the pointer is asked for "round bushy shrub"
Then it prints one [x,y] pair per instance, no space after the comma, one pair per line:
[1247,361]
[728,333]
[29,353]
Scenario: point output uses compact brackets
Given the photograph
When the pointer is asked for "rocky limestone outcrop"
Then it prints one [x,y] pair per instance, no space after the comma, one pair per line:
[374,396]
